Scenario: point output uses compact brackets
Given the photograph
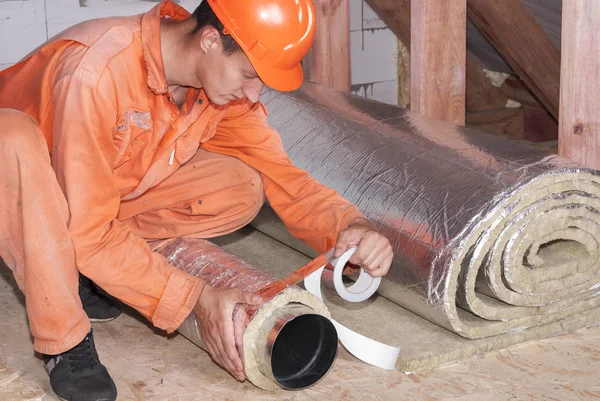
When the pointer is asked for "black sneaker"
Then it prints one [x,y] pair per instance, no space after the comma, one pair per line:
[98,306]
[78,375]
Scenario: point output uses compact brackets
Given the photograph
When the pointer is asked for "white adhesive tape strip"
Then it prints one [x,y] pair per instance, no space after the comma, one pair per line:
[364,348]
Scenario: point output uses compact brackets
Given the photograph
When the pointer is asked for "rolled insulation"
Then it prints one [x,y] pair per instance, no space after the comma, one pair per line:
[490,235]
[289,342]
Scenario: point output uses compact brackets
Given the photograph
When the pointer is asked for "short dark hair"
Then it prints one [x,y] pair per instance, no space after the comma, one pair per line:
[205,16]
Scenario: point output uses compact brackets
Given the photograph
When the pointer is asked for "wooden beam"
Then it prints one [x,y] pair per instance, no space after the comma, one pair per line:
[396,15]
[438,57]
[526,48]
[481,94]
[505,121]
[540,125]
[328,62]
[579,122]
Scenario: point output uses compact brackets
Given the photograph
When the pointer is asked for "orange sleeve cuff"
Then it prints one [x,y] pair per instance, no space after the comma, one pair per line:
[327,242]
[178,300]
[348,217]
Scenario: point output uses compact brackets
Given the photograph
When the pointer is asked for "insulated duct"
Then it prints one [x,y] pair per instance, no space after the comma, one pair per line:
[288,343]
[490,235]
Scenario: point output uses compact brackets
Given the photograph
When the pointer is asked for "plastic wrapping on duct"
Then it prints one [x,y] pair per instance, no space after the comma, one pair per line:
[490,235]
[289,341]
[208,262]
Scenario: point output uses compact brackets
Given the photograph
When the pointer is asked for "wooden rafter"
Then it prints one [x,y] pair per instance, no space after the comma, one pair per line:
[438,46]
[523,44]
[579,128]
[481,94]
[328,62]
[396,15]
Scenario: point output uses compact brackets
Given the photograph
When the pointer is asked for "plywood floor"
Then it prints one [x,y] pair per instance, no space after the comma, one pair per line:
[148,365]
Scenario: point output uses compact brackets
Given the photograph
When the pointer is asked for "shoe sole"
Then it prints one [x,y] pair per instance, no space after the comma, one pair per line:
[94,320]
[64,399]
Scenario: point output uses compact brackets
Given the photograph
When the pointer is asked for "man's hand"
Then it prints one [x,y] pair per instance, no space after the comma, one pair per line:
[222,320]
[374,253]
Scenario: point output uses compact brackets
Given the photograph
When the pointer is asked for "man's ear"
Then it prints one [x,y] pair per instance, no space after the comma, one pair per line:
[209,39]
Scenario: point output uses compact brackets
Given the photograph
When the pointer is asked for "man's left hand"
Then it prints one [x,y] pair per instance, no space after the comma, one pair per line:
[374,252]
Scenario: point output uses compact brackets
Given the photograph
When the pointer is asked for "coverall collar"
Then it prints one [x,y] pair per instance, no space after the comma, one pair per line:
[157,80]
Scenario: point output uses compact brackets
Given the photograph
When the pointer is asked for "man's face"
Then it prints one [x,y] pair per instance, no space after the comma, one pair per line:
[226,78]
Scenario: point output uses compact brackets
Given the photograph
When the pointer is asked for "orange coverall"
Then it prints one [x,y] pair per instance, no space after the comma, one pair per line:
[96,159]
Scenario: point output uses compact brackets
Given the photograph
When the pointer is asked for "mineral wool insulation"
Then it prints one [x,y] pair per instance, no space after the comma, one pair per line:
[490,235]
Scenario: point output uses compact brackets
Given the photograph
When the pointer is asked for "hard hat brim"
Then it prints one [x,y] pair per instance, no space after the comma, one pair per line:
[278,79]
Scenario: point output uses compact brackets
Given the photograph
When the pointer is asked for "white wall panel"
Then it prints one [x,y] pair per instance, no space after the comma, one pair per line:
[373,55]
[22,28]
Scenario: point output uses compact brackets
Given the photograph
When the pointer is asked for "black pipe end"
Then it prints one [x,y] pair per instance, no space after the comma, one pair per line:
[304,351]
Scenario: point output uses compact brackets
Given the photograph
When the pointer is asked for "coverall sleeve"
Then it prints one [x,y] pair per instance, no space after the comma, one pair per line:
[83,154]
[311,211]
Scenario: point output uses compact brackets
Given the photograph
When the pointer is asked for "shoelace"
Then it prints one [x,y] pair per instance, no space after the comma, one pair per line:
[83,357]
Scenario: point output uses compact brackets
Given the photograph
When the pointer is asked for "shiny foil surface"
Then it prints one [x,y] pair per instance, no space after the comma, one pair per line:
[490,235]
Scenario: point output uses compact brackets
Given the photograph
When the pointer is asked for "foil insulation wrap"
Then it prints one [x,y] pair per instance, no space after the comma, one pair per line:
[490,235]
[220,269]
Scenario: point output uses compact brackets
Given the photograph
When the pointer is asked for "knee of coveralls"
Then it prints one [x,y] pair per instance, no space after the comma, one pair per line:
[34,238]
[20,138]
[209,196]
[19,132]
[226,209]
[249,191]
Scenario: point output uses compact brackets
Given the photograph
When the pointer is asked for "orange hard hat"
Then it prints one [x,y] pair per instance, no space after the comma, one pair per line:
[274,34]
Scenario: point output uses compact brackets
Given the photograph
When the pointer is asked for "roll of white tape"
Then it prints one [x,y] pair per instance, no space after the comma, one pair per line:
[366,349]
[364,287]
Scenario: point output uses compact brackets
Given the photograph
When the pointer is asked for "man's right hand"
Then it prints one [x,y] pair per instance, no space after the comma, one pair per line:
[222,325]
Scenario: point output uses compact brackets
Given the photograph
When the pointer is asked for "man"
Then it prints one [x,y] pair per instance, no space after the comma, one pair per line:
[123,130]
